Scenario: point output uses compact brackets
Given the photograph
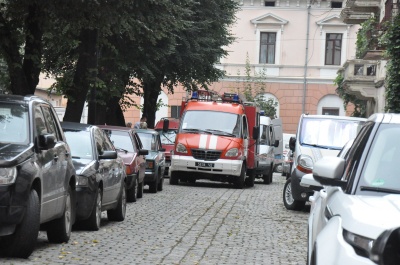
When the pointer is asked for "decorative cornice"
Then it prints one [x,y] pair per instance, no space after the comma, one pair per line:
[263,20]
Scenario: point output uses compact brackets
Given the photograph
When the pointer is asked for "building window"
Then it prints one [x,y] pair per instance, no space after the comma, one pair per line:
[175,111]
[269,3]
[336,4]
[333,49]
[267,47]
[330,111]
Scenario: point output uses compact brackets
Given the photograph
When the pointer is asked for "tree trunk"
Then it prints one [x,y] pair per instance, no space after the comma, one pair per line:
[151,89]
[86,67]
[115,115]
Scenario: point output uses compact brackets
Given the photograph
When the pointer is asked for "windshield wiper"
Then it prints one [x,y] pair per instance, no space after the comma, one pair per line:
[166,137]
[377,189]
[121,149]
[219,132]
[76,157]
[194,130]
[322,146]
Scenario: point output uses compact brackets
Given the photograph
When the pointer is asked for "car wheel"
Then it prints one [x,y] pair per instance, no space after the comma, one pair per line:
[174,179]
[288,200]
[59,230]
[250,179]
[22,243]
[239,182]
[93,222]
[118,214]
[131,194]
[160,184]
[140,187]
[267,178]
[154,185]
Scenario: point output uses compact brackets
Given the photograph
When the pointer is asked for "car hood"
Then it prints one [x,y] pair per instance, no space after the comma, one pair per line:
[317,153]
[368,216]
[152,155]
[84,167]
[14,154]
[207,141]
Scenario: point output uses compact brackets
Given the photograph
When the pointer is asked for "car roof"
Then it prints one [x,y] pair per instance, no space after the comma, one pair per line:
[333,117]
[21,99]
[76,126]
[115,128]
[392,118]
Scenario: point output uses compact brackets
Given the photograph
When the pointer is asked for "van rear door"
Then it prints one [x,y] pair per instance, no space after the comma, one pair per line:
[278,151]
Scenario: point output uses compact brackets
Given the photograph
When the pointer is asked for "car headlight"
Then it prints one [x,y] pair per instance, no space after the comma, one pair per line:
[305,164]
[150,164]
[362,245]
[232,152]
[8,175]
[180,148]
[82,180]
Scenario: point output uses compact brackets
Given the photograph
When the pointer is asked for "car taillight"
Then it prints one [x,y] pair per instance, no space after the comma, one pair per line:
[129,171]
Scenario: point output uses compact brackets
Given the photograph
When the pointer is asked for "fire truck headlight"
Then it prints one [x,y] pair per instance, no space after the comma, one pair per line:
[232,152]
[180,148]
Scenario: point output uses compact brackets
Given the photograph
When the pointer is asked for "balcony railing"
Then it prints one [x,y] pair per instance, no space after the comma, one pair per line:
[357,11]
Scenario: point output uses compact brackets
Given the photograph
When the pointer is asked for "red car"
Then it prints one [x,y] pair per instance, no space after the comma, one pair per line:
[129,147]
[167,134]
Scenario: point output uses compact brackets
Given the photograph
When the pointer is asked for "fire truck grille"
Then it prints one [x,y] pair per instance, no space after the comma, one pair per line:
[209,155]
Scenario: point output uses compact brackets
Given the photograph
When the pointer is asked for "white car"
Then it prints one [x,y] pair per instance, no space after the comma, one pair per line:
[361,196]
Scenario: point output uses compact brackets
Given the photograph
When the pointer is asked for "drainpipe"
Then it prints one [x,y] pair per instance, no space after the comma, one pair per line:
[306,60]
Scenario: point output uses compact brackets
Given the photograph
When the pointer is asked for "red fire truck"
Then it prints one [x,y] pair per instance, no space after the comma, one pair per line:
[216,140]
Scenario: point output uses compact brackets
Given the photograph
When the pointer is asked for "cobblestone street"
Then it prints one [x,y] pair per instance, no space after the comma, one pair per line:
[202,223]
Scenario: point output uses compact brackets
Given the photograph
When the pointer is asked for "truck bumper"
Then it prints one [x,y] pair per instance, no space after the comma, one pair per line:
[219,167]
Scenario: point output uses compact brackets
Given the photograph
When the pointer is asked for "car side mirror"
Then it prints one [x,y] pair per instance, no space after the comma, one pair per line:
[276,143]
[46,141]
[162,149]
[256,132]
[165,125]
[292,143]
[329,171]
[385,250]
[108,155]
[143,152]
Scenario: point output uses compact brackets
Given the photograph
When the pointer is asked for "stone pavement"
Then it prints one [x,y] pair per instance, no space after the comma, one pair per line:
[194,224]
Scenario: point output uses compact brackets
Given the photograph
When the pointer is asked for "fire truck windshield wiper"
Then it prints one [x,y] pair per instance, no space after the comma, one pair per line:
[195,130]
[219,132]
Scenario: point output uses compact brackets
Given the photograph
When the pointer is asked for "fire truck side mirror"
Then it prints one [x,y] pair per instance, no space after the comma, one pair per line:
[256,131]
[292,143]
[165,125]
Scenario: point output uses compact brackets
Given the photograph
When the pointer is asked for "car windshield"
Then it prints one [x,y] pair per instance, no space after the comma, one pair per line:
[148,141]
[328,133]
[120,139]
[14,125]
[79,143]
[381,170]
[212,122]
[168,137]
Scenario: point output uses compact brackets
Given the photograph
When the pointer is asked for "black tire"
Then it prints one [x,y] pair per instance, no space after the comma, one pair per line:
[59,230]
[118,214]
[288,200]
[239,182]
[250,179]
[131,194]
[22,243]
[174,179]
[153,185]
[268,177]
[93,222]
[140,187]
[160,184]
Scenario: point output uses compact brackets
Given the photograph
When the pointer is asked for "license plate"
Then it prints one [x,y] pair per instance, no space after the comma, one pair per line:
[201,164]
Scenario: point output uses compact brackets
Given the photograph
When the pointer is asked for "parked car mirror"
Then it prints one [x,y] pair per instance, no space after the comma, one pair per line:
[46,141]
[108,155]
[165,125]
[329,171]
[162,149]
[292,143]
[143,152]
[276,143]
[385,250]
[308,181]
[256,131]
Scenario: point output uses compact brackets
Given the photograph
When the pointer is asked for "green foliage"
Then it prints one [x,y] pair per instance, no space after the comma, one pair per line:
[359,105]
[393,66]
[366,37]
[253,88]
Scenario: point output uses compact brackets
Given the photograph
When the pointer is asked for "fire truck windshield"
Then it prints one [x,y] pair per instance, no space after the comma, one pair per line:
[214,122]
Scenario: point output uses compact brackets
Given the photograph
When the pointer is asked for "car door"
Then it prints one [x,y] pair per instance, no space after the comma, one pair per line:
[140,159]
[160,154]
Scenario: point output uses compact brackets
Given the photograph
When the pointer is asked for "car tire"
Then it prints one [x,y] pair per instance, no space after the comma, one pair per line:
[93,222]
[288,200]
[267,177]
[131,194]
[153,185]
[140,187]
[22,243]
[160,184]
[174,179]
[250,180]
[118,214]
[239,182]
[59,230]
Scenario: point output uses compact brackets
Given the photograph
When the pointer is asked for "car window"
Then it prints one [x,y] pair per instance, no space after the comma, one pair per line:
[138,141]
[98,139]
[148,141]
[51,125]
[121,139]
[107,144]
[14,126]
[40,124]
[167,137]
[79,143]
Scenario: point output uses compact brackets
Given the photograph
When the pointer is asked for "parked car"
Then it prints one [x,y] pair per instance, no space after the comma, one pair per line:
[37,177]
[317,136]
[167,128]
[129,147]
[360,199]
[101,175]
[155,160]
